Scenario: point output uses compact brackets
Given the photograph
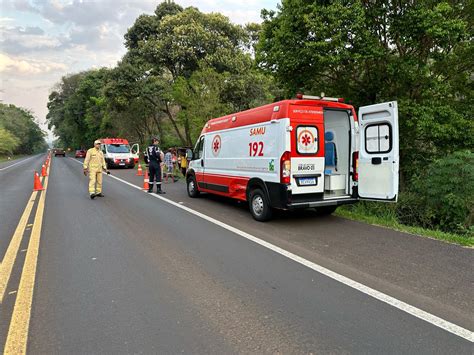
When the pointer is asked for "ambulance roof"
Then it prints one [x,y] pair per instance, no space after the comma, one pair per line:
[114,141]
[274,111]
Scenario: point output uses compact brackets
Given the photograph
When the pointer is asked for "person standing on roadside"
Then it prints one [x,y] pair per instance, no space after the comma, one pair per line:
[169,165]
[94,164]
[155,158]
[183,164]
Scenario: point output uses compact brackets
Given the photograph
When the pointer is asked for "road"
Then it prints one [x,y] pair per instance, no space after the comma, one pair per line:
[136,273]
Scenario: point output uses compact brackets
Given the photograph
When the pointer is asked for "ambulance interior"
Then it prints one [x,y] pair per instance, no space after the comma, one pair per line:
[336,153]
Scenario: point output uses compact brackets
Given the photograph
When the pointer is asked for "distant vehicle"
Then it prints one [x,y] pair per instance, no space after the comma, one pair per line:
[308,152]
[59,151]
[117,153]
[80,153]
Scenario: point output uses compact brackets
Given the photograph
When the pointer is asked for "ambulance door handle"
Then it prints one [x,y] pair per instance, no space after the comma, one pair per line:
[202,163]
[377,161]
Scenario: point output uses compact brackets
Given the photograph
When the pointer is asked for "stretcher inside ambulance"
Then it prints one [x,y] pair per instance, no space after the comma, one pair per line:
[301,153]
[117,153]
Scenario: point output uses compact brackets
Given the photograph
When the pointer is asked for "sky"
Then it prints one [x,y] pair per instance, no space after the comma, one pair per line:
[43,40]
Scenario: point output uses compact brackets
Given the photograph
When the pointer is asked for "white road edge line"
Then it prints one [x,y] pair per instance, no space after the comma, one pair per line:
[22,161]
[405,307]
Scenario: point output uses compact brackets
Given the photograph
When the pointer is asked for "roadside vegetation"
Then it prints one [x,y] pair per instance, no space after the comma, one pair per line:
[183,67]
[19,133]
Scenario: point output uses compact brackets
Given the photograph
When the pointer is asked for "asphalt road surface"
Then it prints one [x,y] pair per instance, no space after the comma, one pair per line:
[134,273]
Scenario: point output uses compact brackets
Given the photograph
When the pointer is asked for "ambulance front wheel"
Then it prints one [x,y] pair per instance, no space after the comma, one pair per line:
[259,206]
[192,187]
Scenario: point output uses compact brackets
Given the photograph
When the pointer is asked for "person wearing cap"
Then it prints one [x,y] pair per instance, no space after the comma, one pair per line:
[155,158]
[94,163]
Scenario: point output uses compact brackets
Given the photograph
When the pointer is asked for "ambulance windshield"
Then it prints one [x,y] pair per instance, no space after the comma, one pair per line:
[118,148]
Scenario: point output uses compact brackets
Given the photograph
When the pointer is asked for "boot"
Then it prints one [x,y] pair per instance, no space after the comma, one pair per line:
[92,196]
[100,194]
[160,192]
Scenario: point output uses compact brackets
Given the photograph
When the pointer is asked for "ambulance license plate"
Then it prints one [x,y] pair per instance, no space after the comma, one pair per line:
[307,181]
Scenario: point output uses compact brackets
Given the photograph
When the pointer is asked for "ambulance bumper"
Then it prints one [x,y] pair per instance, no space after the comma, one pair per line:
[123,163]
[282,198]
[338,202]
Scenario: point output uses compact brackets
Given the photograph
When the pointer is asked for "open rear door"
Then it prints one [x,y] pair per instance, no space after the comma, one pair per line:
[378,152]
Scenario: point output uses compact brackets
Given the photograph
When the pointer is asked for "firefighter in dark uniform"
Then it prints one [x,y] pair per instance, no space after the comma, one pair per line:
[155,158]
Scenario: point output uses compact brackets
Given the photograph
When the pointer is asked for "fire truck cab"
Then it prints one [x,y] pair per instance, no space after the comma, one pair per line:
[307,152]
[117,153]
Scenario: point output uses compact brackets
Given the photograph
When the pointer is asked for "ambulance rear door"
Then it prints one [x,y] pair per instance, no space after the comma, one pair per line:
[378,152]
[307,149]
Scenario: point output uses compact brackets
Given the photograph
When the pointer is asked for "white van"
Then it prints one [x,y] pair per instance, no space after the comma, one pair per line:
[117,153]
[307,152]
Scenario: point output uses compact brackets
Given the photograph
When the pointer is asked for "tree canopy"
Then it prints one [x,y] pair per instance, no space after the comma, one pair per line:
[417,52]
[19,132]
[182,67]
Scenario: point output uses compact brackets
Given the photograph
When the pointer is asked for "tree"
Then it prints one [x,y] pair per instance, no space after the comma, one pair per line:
[419,53]
[21,133]
[177,44]
[8,142]
[181,68]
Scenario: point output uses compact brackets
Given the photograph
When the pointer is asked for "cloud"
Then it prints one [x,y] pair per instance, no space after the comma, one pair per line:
[87,13]
[22,66]
[5,20]
[17,40]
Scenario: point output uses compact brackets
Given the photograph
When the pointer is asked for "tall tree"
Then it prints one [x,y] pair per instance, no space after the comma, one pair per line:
[20,131]
[419,53]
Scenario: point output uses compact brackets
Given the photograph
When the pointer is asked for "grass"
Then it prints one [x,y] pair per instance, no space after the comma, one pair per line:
[386,218]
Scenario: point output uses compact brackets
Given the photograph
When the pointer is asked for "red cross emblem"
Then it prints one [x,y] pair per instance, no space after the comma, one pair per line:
[216,145]
[306,139]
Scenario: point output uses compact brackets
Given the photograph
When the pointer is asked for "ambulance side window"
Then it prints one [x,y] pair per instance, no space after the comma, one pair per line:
[378,138]
[198,150]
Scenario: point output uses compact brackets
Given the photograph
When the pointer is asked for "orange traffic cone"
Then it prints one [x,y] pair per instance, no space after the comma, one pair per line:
[43,171]
[37,185]
[146,186]
[139,170]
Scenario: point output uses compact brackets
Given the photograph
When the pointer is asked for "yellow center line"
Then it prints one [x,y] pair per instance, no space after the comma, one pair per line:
[17,337]
[10,256]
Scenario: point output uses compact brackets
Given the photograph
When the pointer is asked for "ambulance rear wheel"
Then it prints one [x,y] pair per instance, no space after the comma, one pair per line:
[192,187]
[259,206]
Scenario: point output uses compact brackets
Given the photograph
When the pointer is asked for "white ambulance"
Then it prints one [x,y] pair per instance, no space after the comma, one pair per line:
[117,153]
[307,152]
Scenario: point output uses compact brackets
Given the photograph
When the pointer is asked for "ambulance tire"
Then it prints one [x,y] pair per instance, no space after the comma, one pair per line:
[259,206]
[191,187]
[325,210]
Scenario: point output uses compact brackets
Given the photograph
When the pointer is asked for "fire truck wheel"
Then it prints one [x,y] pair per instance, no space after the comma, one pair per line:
[192,187]
[325,210]
[259,206]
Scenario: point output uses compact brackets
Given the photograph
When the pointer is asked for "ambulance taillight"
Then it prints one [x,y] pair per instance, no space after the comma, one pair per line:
[355,162]
[285,168]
